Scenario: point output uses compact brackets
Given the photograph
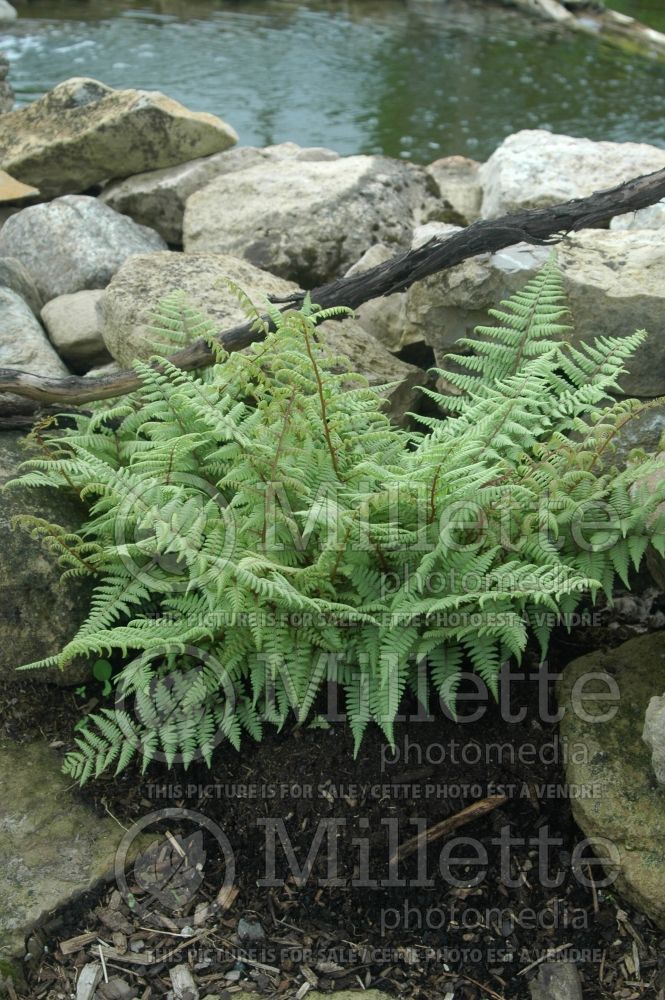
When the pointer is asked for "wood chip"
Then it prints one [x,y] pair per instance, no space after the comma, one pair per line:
[89,979]
[74,944]
[184,987]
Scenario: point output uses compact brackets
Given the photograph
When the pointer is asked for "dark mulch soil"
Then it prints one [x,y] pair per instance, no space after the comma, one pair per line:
[471,931]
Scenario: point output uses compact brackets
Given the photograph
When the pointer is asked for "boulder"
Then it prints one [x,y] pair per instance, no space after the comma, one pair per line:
[309,221]
[83,132]
[157,198]
[13,274]
[652,217]
[52,849]
[137,288]
[604,697]
[74,326]
[458,180]
[535,168]
[139,285]
[615,283]
[73,243]
[39,614]
[653,735]
[7,11]
[382,317]
[23,345]
[6,92]
[13,191]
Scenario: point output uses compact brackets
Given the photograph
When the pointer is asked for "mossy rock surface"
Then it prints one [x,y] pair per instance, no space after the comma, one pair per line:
[52,848]
[38,613]
[603,737]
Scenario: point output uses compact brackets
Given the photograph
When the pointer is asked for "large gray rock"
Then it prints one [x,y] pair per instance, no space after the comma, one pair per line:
[74,326]
[458,180]
[73,243]
[382,317]
[157,198]
[615,282]
[83,132]
[652,217]
[307,221]
[14,275]
[604,697]
[535,168]
[23,345]
[52,848]
[138,287]
[39,614]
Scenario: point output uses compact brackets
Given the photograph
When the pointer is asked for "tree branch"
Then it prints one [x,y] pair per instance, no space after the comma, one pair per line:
[540,226]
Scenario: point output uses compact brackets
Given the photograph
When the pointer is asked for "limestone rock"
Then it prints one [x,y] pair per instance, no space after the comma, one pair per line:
[7,11]
[157,198]
[652,217]
[604,697]
[458,180]
[139,285]
[653,735]
[615,282]
[83,132]
[52,848]
[535,168]
[13,274]
[382,317]
[6,92]
[370,358]
[12,191]
[38,613]
[23,345]
[73,243]
[74,327]
[309,221]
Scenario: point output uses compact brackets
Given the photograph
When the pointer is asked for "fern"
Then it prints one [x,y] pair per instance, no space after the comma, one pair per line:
[259,530]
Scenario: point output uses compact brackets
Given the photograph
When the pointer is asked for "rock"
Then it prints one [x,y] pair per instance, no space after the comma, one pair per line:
[157,198]
[653,735]
[616,276]
[654,560]
[110,369]
[137,288]
[14,275]
[7,12]
[6,92]
[83,132]
[368,357]
[74,325]
[458,180]
[604,697]
[52,848]
[305,221]
[557,980]
[183,984]
[73,243]
[382,317]
[535,168]
[12,190]
[38,613]
[652,217]
[140,284]
[23,345]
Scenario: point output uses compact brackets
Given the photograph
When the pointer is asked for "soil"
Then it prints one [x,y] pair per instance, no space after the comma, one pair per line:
[470,930]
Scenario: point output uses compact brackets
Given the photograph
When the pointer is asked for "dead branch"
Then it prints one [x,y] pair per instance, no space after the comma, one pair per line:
[468,815]
[540,226]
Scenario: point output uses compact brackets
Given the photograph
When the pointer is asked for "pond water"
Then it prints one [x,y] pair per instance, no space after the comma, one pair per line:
[416,79]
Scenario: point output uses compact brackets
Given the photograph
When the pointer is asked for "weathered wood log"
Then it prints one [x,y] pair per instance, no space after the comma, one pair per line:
[540,226]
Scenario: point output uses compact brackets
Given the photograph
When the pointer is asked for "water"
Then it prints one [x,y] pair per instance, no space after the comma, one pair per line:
[415,79]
